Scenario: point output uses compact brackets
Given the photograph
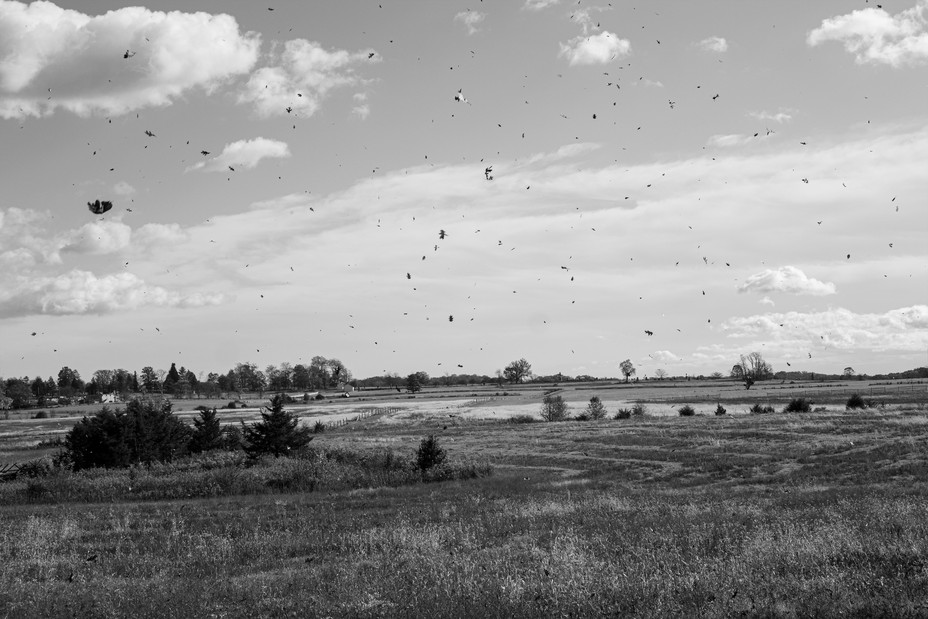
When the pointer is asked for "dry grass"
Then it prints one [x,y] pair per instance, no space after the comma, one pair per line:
[816,514]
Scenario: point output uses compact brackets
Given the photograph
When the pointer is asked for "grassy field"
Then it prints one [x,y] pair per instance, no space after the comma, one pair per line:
[798,514]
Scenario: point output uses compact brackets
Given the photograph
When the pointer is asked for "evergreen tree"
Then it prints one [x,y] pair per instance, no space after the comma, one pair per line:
[207,433]
[277,433]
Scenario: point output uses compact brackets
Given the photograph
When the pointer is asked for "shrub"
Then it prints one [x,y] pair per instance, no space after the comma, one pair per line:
[318,427]
[145,432]
[798,405]
[855,401]
[41,467]
[595,409]
[759,410]
[686,411]
[720,410]
[522,419]
[553,408]
[584,416]
[319,396]
[623,413]
[233,438]
[41,415]
[639,409]
[202,408]
[277,433]
[430,454]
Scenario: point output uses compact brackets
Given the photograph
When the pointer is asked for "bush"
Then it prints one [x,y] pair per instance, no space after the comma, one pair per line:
[760,410]
[278,432]
[145,432]
[798,405]
[553,408]
[41,415]
[686,411]
[639,409]
[32,469]
[595,409]
[202,408]
[522,419]
[430,454]
[720,410]
[318,427]
[319,396]
[623,413]
[855,401]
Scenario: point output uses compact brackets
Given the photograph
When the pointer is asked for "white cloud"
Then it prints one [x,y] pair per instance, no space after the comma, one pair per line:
[726,140]
[664,356]
[245,154]
[904,329]
[81,57]
[471,20]
[304,75]
[97,238]
[780,116]
[873,35]
[362,108]
[537,5]
[787,279]
[82,292]
[597,49]
[714,44]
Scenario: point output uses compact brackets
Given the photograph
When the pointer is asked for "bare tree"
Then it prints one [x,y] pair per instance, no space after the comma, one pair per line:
[660,373]
[754,368]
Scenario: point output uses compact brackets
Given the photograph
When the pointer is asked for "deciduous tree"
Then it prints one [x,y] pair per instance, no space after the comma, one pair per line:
[627,368]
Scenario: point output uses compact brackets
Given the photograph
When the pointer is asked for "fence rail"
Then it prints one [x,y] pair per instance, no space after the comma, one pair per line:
[365,414]
[8,471]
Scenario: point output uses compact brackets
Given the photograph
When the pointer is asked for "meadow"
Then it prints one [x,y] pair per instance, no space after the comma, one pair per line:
[780,514]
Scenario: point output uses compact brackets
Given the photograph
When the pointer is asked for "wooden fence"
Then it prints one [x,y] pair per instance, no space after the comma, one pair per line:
[365,414]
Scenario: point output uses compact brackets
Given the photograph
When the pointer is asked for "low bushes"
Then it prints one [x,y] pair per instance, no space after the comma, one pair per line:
[798,405]
[686,411]
[720,410]
[857,401]
[757,409]
[623,413]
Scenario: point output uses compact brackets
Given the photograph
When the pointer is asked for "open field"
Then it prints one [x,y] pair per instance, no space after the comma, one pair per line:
[797,514]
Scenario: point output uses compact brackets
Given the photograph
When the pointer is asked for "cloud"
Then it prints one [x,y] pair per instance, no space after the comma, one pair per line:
[361,109]
[122,188]
[789,280]
[81,57]
[664,356]
[781,116]
[726,140]
[903,329]
[245,154]
[714,44]
[96,238]
[82,292]
[537,5]
[471,20]
[597,49]
[302,77]
[875,36]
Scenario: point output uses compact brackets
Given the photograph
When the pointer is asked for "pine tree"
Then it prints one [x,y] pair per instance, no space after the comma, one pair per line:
[277,433]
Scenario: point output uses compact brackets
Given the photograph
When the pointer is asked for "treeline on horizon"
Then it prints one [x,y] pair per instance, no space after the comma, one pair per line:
[319,374]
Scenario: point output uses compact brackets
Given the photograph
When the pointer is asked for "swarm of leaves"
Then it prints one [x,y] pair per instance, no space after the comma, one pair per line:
[798,405]
[278,433]
[686,411]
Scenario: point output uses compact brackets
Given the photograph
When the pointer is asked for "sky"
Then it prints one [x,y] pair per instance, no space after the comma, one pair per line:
[672,183]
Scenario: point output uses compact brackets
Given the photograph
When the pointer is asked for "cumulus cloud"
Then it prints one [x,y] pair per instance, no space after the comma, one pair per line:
[361,108]
[97,238]
[81,57]
[537,5]
[82,292]
[873,35]
[471,20]
[728,139]
[245,154]
[714,44]
[786,279]
[601,48]
[664,356]
[302,77]
[904,329]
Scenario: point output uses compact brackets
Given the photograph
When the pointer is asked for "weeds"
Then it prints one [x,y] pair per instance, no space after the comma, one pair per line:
[686,411]
[798,405]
